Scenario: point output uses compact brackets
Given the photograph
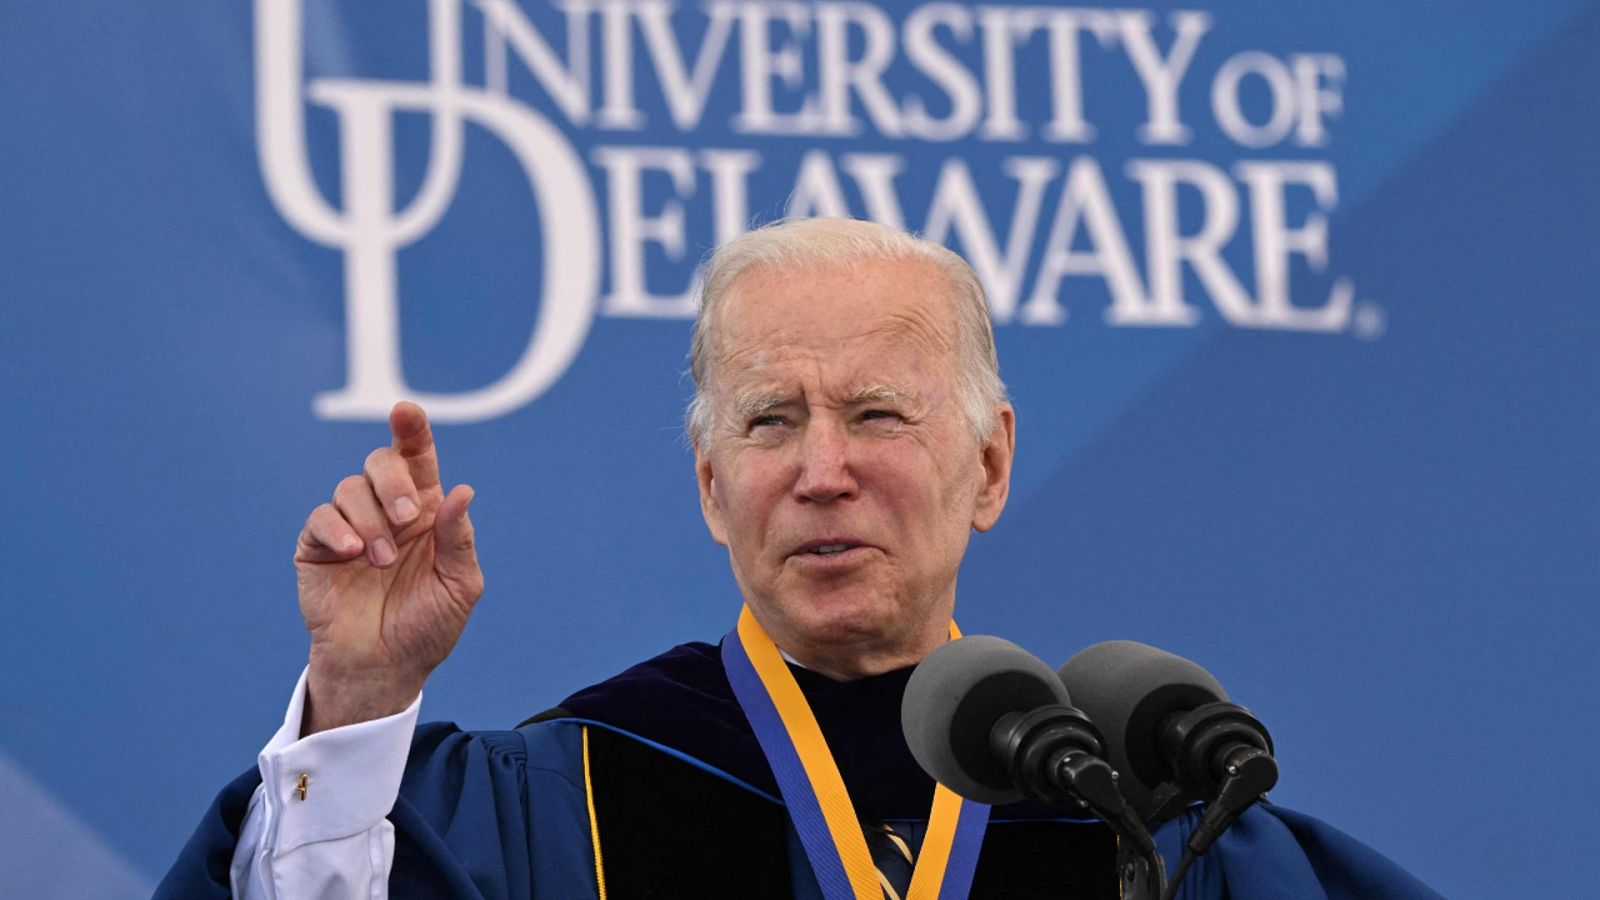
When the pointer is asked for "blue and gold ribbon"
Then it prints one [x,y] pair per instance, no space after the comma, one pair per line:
[815,794]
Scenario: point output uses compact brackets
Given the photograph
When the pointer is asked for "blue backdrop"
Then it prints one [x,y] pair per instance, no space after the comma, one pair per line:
[1297,306]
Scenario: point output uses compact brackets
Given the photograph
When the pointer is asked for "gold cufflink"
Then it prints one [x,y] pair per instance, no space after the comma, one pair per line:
[305,782]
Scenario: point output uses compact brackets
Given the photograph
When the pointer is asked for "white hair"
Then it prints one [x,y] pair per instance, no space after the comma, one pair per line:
[797,244]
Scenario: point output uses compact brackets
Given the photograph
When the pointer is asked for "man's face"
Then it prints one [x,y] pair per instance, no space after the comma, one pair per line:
[840,472]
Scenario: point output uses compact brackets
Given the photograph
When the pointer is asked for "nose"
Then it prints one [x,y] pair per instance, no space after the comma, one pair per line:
[825,473]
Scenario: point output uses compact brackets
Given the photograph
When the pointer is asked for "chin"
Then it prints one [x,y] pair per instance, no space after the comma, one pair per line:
[843,619]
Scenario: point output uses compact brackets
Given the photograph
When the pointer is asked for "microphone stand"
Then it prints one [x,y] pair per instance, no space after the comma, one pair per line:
[1053,754]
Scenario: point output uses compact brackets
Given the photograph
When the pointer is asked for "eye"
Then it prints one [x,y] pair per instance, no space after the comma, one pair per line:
[760,421]
[873,414]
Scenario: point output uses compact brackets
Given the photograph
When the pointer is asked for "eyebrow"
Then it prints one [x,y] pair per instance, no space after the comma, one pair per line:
[754,405]
[877,393]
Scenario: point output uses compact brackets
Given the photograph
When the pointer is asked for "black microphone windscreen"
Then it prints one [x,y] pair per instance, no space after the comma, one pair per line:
[1128,690]
[953,700]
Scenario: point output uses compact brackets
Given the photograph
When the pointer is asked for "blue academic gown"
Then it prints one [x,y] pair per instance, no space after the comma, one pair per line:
[681,796]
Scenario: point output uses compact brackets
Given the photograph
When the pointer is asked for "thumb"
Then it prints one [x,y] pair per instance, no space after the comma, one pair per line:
[455,549]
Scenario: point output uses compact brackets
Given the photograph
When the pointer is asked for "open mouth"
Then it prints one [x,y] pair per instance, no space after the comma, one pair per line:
[828,548]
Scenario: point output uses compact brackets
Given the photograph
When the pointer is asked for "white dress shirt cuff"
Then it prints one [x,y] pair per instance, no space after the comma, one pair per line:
[335,783]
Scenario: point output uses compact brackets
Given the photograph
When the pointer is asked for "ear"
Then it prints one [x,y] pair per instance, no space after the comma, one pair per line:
[996,455]
[709,508]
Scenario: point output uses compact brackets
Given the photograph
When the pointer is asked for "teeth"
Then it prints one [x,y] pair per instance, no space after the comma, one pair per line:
[827,549]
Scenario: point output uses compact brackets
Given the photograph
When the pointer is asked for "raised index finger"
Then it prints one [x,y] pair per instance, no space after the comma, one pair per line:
[413,440]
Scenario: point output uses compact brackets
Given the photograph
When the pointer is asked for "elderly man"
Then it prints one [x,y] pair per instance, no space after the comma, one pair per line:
[850,431]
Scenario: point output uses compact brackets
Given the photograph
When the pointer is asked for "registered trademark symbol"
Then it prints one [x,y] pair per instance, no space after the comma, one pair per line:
[1368,321]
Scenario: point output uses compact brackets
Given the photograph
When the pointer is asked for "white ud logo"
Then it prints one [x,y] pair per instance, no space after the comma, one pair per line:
[370,230]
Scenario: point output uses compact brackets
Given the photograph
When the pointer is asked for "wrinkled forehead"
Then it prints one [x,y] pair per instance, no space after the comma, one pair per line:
[770,312]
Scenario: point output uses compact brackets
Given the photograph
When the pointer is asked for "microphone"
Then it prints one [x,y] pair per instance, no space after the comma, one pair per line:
[975,711]
[991,722]
[1174,735]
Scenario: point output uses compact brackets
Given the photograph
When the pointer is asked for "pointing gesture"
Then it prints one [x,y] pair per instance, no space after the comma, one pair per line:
[388,574]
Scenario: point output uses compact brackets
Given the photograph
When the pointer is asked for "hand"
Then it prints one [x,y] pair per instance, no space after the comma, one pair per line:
[388,575]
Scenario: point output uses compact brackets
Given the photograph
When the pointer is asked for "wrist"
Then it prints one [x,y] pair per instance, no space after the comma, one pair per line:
[339,695]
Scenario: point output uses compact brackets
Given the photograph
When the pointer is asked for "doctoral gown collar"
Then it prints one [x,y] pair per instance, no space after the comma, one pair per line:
[682,699]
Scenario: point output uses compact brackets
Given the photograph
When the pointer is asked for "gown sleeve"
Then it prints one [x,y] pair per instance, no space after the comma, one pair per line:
[1272,852]
[461,826]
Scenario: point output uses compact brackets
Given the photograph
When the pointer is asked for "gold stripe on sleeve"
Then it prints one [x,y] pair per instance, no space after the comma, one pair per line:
[594,823]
